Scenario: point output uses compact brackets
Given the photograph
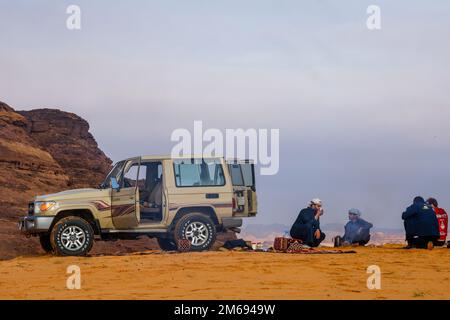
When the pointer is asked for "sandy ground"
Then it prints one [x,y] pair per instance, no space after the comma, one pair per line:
[406,274]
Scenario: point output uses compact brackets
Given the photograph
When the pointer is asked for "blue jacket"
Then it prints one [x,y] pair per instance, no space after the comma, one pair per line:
[358,230]
[420,220]
[305,225]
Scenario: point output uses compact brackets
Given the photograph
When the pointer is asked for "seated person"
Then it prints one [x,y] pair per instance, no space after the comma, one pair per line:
[357,230]
[442,217]
[307,225]
[421,225]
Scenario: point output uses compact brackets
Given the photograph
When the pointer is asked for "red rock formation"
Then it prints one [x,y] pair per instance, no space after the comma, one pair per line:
[44,151]
[26,169]
[66,137]
[41,151]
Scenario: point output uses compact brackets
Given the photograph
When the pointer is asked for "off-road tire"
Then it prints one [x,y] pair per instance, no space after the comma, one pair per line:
[184,225]
[62,226]
[44,240]
[167,244]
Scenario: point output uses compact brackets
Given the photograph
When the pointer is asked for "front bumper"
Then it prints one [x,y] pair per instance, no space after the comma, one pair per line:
[35,224]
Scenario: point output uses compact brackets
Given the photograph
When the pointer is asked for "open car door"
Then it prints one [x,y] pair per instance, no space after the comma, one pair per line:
[124,199]
[244,190]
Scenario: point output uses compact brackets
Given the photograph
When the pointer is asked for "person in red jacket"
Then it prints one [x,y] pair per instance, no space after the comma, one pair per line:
[442,217]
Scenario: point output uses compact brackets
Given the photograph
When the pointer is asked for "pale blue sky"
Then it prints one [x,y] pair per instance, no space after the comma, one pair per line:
[363,115]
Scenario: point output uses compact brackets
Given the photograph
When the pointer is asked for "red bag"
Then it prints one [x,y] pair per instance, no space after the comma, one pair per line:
[282,244]
[184,245]
[442,217]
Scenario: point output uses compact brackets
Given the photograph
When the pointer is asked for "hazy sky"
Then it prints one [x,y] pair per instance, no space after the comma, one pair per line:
[364,116]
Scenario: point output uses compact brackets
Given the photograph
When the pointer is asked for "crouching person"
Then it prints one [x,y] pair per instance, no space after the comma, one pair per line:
[442,218]
[421,225]
[307,225]
[357,230]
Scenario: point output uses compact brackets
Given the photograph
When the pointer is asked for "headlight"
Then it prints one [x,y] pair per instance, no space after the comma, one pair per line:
[42,206]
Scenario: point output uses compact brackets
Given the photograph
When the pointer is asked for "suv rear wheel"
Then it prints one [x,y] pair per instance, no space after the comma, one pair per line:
[72,236]
[198,228]
[44,239]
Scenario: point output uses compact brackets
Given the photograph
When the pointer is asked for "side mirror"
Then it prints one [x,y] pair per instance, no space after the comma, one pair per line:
[114,184]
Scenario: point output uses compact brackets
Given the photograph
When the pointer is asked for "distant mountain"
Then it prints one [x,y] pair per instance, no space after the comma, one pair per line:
[339,227]
[265,229]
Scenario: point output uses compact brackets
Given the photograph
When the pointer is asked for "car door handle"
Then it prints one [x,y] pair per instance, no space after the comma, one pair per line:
[212,196]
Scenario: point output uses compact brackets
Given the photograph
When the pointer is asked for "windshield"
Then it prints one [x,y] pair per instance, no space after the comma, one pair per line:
[113,173]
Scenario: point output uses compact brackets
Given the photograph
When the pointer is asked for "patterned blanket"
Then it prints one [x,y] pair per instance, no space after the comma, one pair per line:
[287,245]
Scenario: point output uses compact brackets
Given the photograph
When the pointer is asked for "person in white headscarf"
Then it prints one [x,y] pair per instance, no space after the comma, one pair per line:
[307,225]
[357,230]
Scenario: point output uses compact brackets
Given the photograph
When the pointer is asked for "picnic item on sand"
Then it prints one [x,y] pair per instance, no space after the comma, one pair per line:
[283,243]
[184,245]
[257,246]
[316,251]
[288,245]
[238,243]
[294,247]
[280,244]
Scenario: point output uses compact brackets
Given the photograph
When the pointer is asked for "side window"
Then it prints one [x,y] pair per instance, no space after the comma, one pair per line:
[159,171]
[130,178]
[236,175]
[219,178]
[242,174]
[190,174]
[142,177]
[113,173]
[248,174]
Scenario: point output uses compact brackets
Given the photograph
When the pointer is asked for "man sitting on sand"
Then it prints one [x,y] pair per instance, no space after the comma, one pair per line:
[357,230]
[442,217]
[307,225]
[421,225]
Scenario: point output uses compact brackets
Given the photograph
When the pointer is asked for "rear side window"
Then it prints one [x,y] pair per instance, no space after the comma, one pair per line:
[236,175]
[201,174]
[242,174]
[248,174]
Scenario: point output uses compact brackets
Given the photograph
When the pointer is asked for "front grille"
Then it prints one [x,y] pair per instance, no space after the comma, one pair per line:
[30,208]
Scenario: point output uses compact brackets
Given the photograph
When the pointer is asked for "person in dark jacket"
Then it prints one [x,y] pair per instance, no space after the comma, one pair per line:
[442,217]
[307,225]
[357,230]
[421,225]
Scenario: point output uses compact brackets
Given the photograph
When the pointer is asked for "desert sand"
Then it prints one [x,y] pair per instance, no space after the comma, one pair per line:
[405,274]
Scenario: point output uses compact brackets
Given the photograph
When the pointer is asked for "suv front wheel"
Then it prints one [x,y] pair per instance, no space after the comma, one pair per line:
[72,236]
[198,228]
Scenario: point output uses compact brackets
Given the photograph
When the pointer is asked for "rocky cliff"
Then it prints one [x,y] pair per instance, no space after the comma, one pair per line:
[41,151]
[67,138]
